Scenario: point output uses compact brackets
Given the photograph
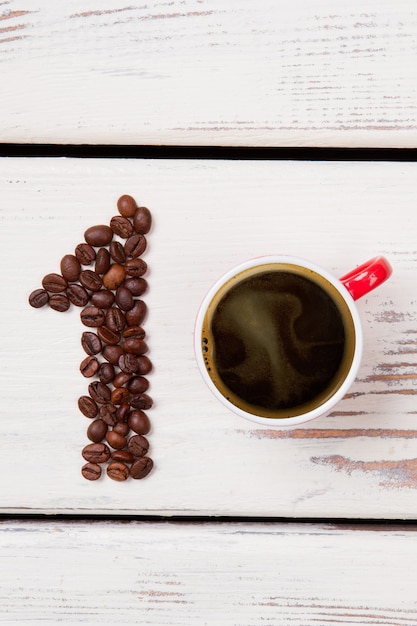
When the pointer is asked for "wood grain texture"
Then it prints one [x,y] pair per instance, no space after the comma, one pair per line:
[358,462]
[209,72]
[187,574]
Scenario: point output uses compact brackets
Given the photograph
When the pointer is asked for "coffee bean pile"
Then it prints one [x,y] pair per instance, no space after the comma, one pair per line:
[104,276]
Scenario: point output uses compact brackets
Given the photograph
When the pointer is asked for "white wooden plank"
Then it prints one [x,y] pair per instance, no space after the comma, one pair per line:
[187,574]
[269,73]
[358,462]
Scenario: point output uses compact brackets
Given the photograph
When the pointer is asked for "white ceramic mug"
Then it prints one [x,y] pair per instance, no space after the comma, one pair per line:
[278,339]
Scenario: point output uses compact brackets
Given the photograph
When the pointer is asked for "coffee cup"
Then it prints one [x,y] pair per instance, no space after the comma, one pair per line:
[279,340]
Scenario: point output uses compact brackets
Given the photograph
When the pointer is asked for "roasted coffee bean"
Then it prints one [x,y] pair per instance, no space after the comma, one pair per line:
[70,267]
[91,343]
[122,428]
[137,445]
[135,246]
[54,283]
[138,384]
[99,392]
[121,379]
[59,302]
[121,226]
[85,253]
[97,430]
[134,331]
[115,319]
[89,366]
[38,298]
[77,295]
[102,299]
[128,363]
[91,280]
[144,365]
[92,316]
[108,413]
[141,401]
[117,252]
[102,261]
[124,299]
[139,422]
[106,373]
[116,470]
[123,412]
[116,440]
[87,406]
[126,205]
[114,277]
[112,354]
[120,395]
[99,235]
[142,220]
[136,286]
[96,452]
[108,336]
[122,455]
[137,313]
[135,267]
[141,467]
[91,471]
[134,345]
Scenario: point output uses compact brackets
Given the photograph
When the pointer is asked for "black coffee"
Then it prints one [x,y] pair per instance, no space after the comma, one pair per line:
[275,342]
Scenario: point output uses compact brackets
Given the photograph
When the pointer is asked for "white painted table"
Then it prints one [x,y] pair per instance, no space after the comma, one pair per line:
[230,74]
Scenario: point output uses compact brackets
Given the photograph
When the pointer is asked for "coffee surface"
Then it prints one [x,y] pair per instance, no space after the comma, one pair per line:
[276,341]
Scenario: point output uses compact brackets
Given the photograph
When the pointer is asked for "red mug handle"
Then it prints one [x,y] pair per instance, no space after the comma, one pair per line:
[367,276]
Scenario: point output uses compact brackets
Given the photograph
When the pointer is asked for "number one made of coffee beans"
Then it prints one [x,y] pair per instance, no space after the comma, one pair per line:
[104,276]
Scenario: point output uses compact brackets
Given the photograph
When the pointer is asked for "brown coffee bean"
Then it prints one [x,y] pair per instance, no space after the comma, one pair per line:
[87,406]
[117,252]
[124,299]
[122,428]
[128,363]
[70,267]
[144,365]
[121,379]
[91,343]
[59,302]
[116,440]
[108,413]
[126,205]
[121,226]
[114,277]
[142,220]
[135,246]
[77,295]
[137,385]
[120,395]
[137,445]
[92,316]
[141,467]
[89,366]
[91,471]
[108,336]
[139,422]
[91,280]
[99,392]
[134,331]
[96,452]
[38,298]
[116,470]
[133,345]
[122,455]
[54,283]
[85,253]
[123,412]
[135,267]
[99,235]
[102,261]
[102,299]
[136,286]
[97,430]
[106,373]
[112,354]
[137,313]
[141,401]
[115,319]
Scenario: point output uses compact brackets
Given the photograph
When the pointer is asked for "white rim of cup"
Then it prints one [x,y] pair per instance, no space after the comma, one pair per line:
[324,408]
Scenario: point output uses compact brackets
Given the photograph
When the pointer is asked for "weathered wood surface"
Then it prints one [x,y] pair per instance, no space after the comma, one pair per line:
[187,574]
[209,72]
[359,462]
